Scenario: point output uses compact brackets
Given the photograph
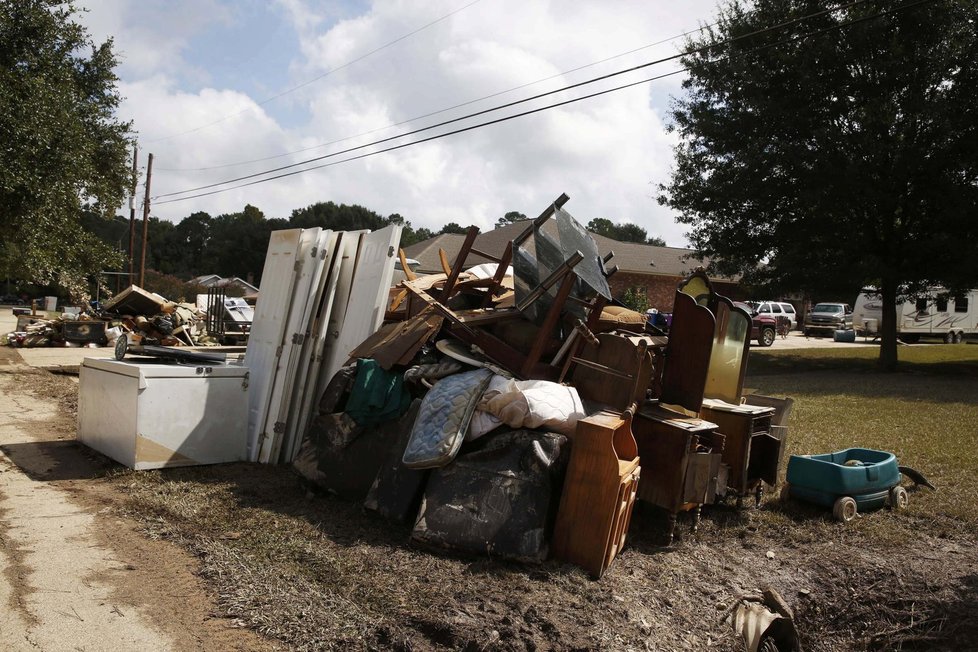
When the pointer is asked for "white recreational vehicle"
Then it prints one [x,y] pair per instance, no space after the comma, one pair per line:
[936,313]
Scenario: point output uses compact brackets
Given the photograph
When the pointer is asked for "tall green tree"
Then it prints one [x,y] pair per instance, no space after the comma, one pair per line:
[338,217]
[625,232]
[453,227]
[64,149]
[193,236]
[509,218]
[826,161]
[238,243]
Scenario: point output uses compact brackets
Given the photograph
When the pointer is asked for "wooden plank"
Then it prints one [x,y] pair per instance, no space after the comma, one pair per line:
[463,253]
[549,324]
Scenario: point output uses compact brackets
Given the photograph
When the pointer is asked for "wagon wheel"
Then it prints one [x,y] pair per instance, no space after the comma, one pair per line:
[899,500]
[845,509]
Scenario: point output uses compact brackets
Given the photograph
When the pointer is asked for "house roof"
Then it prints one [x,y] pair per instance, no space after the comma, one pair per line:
[240,282]
[215,280]
[631,257]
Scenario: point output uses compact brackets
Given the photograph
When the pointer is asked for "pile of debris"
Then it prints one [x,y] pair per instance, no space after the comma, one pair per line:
[510,408]
[142,317]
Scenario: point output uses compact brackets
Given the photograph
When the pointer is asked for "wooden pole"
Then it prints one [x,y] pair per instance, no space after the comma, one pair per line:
[132,219]
[142,262]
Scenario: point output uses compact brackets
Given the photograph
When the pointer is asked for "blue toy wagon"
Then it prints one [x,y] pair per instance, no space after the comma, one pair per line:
[847,481]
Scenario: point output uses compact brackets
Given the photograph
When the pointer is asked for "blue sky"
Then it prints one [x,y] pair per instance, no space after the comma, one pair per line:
[196,75]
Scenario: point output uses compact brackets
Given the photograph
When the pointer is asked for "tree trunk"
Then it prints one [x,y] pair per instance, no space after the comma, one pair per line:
[888,329]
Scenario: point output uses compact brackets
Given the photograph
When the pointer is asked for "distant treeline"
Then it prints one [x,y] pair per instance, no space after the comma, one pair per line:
[234,244]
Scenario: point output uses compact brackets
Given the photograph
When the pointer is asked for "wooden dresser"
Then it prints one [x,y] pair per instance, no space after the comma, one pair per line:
[599,493]
[752,450]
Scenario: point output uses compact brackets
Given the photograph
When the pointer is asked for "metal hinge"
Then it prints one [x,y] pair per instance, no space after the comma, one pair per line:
[244,380]
[279,427]
[278,351]
[390,252]
[297,265]
[298,338]
[313,253]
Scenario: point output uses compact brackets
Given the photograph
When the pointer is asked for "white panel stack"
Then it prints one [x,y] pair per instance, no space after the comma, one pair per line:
[321,294]
[268,330]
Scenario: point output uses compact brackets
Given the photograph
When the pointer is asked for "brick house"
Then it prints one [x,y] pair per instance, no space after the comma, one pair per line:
[654,271]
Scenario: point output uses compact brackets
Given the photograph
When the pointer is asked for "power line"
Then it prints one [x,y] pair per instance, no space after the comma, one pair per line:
[317,78]
[548,107]
[515,102]
[446,109]
[424,140]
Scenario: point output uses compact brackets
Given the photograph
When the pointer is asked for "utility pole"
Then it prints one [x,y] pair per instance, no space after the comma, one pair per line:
[142,262]
[132,218]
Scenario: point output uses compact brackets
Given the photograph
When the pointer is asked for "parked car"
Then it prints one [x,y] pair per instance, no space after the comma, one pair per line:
[777,309]
[399,274]
[826,318]
[764,328]
[11,300]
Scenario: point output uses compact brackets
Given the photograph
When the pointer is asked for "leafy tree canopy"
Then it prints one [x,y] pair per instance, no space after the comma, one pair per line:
[347,217]
[509,218]
[64,151]
[623,232]
[839,159]
[453,227]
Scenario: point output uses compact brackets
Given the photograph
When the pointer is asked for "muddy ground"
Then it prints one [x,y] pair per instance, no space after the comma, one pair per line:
[307,570]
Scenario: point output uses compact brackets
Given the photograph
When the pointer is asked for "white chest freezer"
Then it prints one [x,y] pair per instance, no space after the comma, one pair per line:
[149,415]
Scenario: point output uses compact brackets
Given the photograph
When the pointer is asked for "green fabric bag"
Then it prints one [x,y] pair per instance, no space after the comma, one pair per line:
[377,395]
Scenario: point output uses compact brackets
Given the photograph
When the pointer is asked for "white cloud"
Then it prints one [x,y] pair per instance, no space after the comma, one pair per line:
[606,153]
[151,36]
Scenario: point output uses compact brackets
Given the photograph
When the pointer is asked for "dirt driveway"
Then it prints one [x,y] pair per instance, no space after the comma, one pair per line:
[75,575]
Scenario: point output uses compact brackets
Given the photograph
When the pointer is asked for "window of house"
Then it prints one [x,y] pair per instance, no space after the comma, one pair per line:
[961,303]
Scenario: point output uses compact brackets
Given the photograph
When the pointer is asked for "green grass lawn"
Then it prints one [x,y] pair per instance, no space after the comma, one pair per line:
[926,413]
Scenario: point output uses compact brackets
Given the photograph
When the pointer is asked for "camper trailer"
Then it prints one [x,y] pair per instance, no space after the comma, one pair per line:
[936,313]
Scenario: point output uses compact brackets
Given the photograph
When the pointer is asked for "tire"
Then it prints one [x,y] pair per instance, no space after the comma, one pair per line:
[958,337]
[845,509]
[899,500]
[949,337]
[767,336]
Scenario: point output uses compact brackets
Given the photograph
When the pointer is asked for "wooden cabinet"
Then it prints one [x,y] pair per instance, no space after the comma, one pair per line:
[753,448]
[599,493]
[681,458]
